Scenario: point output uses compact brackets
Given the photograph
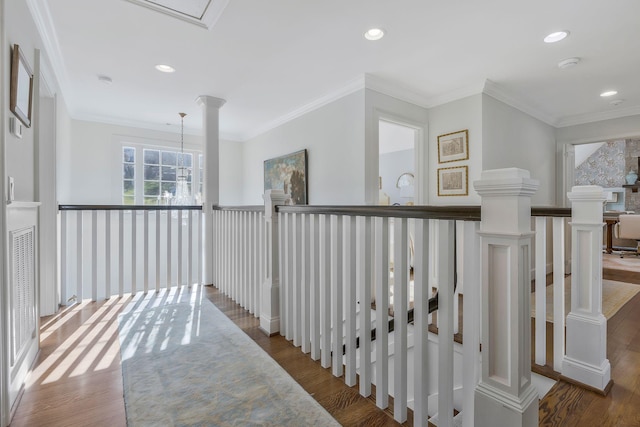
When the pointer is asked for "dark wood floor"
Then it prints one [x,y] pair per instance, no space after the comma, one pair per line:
[567,405]
[77,379]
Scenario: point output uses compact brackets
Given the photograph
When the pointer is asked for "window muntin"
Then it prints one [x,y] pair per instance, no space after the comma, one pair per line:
[128,175]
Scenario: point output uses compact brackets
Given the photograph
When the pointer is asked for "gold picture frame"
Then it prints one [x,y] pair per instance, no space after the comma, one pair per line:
[453,147]
[453,181]
[21,86]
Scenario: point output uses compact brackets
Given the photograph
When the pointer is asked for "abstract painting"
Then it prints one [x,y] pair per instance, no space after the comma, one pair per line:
[288,173]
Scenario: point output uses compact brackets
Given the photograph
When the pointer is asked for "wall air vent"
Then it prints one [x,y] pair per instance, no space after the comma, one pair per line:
[22,291]
[204,13]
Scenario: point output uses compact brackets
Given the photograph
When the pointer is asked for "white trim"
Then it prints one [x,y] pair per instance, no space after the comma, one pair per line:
[395,90]
[580,119]
[351,87]
[4,368]
[498,92]
[44,22]
[210,17]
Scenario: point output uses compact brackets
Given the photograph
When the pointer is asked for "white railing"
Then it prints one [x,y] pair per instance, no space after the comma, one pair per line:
[322,267]
[335,262]
[239,254]
[113,250]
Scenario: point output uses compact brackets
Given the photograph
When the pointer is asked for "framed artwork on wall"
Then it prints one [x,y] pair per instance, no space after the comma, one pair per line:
[453,181]
[21,86]
[288,173]
[453,147]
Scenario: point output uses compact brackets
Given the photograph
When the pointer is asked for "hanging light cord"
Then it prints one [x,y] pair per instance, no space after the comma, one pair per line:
[182,140]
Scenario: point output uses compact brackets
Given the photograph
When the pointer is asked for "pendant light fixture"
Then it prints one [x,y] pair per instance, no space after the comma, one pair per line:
[183,195]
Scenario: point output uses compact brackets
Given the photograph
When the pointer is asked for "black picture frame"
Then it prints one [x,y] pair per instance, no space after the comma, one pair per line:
[21,97]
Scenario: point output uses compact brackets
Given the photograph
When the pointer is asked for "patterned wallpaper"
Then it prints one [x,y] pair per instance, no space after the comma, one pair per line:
[632,200]
[605,167]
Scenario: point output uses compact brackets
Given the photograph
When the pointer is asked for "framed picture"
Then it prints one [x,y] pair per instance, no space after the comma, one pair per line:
[453,146]
[453,181]
[21,86]
[288,173]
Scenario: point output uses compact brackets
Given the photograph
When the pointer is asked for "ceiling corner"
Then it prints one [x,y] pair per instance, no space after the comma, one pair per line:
[498,92]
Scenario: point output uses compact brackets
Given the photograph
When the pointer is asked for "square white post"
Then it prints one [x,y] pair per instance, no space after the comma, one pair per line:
[270,292]
[586,357]
[505,395]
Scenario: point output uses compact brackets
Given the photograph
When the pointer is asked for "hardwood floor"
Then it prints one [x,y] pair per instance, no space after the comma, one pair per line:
[567,405]
[77,379]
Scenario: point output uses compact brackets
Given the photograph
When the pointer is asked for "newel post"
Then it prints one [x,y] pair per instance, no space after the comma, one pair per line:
[586,355]
[270,304]
[505,395]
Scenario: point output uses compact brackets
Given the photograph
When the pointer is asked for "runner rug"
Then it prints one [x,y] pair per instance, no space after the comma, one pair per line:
[188,364]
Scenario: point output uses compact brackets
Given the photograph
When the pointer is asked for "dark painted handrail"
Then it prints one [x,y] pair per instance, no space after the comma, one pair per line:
[463,213]
[129,208]
[248,208]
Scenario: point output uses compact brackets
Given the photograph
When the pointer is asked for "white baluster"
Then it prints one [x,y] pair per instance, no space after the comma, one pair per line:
[400,293]
[107,252]
[282,220]
[421,324]
[121,253]
[190,249]
[146,251]
[325,290]
[296,282]
[471,320]
[445,322]
[180,241]
[382,312]
[158,219]
[541,292]
[305,283]
[64,264]
[288,271]
[79,253]
[364,283]
[336,294]
[134,250]
[94,255]
[349,282]
[314,286]
[169,248]
[559,315]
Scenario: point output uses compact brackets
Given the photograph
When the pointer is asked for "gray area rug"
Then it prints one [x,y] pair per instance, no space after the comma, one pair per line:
[187,364]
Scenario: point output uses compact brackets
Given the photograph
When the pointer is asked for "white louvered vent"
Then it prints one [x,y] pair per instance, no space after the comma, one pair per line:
[22,288]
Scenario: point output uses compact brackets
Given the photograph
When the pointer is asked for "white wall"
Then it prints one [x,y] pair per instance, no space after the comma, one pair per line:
[512,138]
[458,115]
[92,163]
[334,138]
[392,165]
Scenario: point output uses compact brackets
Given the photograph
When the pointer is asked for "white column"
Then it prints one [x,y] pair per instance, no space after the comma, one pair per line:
[211,182]
[586,358]
[505,395]
[270,304]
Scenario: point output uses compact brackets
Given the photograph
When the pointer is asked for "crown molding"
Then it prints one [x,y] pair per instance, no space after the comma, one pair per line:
[351,87]
[44,23]
[498,92]
[394,90]
[580,119]
[454,95]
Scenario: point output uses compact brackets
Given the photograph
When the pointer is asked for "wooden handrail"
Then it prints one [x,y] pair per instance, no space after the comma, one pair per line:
[129,208]
[248,208]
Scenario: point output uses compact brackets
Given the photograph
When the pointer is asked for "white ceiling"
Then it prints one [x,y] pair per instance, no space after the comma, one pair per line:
[272,59]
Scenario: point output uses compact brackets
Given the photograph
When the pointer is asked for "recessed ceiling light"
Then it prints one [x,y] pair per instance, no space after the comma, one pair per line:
[105,80]
[165,68]
[568,63]
[374,34]
[609,93]
[556,37]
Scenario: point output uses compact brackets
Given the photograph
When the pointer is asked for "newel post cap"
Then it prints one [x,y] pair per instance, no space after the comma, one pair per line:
[506,182]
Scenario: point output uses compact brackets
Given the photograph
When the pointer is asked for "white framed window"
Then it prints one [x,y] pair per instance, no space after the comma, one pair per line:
[150,173]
